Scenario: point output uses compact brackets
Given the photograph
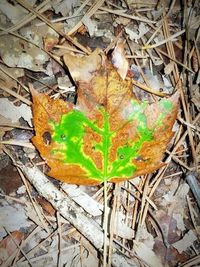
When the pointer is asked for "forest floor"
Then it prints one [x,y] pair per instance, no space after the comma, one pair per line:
[152,220]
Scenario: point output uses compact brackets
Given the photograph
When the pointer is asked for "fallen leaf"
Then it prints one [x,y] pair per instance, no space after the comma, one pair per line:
[9,245]
[10,222]
[7,81]
[14,113]
[119,60]
[137,34]
[64,7]
[82,68]
[108,135]
[147,254]
[185,242]
[90,25]
[13,12]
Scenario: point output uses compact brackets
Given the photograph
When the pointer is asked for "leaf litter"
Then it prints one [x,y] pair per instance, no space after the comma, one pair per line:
[154,222]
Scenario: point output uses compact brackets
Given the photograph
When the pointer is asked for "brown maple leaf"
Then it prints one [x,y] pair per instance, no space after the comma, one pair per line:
[108,135]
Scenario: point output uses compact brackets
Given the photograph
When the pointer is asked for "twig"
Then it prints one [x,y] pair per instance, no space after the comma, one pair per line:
[11,92]
[171,38]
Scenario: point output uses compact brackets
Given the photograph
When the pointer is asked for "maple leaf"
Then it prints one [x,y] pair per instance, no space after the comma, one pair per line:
[108,135]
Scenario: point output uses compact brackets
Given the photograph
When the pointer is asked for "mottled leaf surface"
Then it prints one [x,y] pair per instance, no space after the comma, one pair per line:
[109,134]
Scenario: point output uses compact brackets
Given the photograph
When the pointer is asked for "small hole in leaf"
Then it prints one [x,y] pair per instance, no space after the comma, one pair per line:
[46,138]
[63,137]
[121,156]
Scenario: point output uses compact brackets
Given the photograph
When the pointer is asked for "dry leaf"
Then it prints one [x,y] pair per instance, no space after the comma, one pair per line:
[90,25]
[13,12]
[147,254]
[8,221]
[64,6]
[9,245]
[14,113]
[140,32]
[185,242]
[108,135]
[169,68]
[7,81]
[82,68]
[119,60]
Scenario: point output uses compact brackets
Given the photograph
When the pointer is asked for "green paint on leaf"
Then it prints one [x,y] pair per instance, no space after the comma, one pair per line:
[166,105]
[69,135]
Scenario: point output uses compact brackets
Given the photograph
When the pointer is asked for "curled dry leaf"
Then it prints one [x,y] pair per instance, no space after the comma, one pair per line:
[108,135]
[119,60]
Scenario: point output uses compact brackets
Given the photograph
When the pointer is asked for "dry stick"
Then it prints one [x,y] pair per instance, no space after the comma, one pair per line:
[166,40]
[78,11]
[17,254]
[136,206]
[191,262]
[159,51]
[148,89]
[69,48]
[125,221]
[158,29]
[128,185]
[66,207]
[141,192]
[112,223]
[144,201]
[12,77]
[18,143]
[120,13]
[105,224]
[60,240]
[11,92]
[44,19]
[10,125]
